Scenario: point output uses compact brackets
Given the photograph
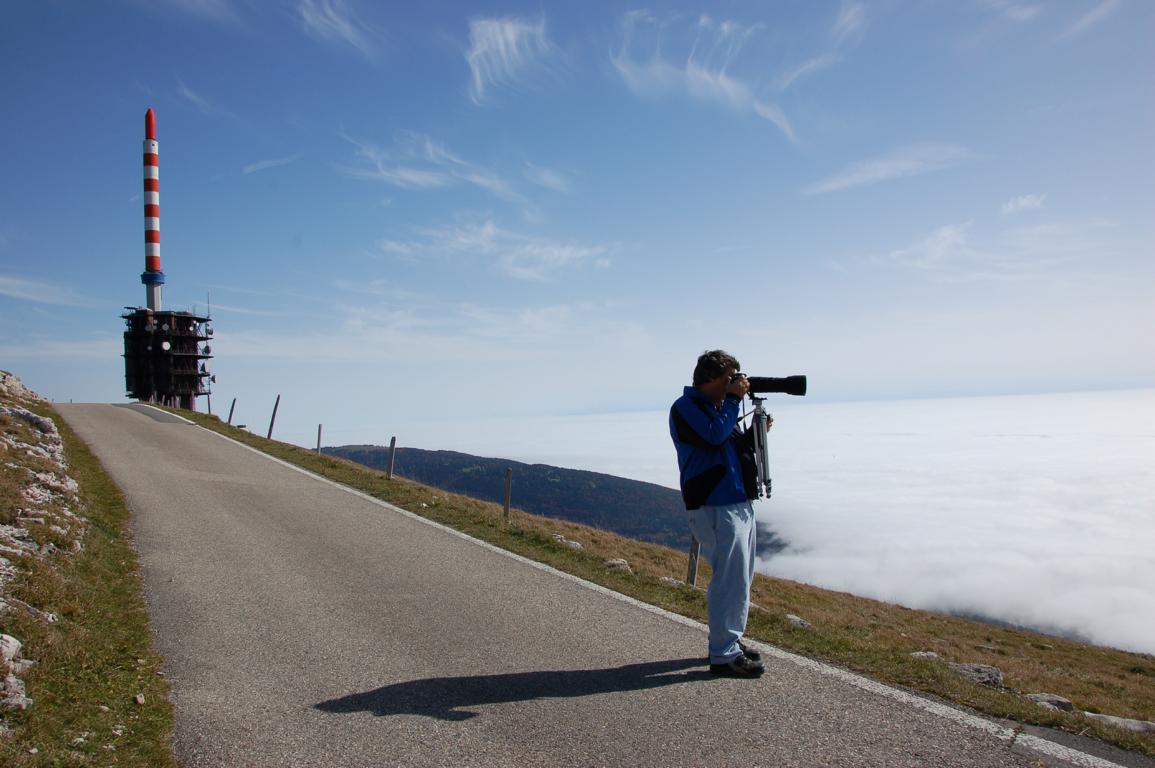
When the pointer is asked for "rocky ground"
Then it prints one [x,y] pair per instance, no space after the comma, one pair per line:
[40,518]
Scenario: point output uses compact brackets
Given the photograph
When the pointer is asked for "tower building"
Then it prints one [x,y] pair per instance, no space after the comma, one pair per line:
[165,352]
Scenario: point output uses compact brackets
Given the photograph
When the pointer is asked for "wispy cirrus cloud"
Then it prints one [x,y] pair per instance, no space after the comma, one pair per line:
[1090,19]
[913,160]
[248,311]
[1023,203]
[204,105]
[849,23]
[198,101]
[219,11]
[945,247]
[416,161]
[1015,10]
[98,348]
[333,21]
[703,72]
[955,252]
[847,29]
[38,292]
[263,165]
[546,177]
[504,52]
[517,255]
[809,67]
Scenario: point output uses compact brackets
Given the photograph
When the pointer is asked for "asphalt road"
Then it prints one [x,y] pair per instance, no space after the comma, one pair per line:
[303,625]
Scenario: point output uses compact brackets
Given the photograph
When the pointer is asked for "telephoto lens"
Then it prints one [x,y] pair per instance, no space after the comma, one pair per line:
[791,385]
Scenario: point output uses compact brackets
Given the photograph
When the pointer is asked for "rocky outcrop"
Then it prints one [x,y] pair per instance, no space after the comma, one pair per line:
[41,522]
[12,687]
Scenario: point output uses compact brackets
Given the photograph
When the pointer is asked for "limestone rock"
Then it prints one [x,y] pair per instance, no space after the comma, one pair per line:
[671,581]
[1051,701]
[924,655]
[12,694]
[9,648]
[12,386]
[618,564]
[982,674]
[566,542]
[798,621]
[1138,726]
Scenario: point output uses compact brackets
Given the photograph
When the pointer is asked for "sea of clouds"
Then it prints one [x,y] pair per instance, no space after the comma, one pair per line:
[1035,510]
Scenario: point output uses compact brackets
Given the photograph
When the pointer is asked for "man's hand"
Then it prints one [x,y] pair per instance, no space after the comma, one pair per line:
[738,386]
[769,421]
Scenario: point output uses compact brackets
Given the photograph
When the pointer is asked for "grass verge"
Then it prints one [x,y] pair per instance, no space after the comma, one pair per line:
[97,658]
[867,636]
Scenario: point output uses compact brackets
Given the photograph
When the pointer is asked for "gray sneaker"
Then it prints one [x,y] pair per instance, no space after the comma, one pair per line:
[740,666]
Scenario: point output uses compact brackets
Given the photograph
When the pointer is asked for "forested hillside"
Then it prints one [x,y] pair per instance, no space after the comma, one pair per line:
[642,511]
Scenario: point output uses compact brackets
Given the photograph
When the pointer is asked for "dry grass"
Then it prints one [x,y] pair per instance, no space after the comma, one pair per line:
[864,635]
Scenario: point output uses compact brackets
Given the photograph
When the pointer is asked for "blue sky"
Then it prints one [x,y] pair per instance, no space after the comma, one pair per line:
[518,209]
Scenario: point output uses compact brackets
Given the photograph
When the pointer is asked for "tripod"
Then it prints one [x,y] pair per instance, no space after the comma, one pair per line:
[761,459]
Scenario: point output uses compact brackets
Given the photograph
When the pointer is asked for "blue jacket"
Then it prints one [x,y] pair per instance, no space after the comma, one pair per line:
[715,458]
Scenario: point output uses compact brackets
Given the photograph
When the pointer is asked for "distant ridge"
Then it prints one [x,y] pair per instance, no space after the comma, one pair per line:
[639,510]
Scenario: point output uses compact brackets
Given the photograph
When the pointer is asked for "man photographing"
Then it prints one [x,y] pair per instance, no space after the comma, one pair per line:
[718,478]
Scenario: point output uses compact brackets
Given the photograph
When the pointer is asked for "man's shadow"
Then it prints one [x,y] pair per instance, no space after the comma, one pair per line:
[450,698]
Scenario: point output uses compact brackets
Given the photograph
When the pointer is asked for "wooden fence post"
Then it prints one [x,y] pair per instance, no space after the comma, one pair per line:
[508,491]
[274,418]
[392,455]
[692,571]
[231,407]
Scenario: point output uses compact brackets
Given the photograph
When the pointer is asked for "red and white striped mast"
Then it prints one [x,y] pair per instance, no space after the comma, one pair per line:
[152,277]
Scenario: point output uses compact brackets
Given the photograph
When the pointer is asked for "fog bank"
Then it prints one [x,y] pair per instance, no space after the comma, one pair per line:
[1036,510]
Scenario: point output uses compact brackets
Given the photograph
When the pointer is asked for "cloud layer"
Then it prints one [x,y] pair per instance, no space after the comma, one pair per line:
[1030,510]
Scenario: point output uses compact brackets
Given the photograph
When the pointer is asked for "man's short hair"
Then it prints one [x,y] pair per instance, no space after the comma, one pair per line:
[713,364]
